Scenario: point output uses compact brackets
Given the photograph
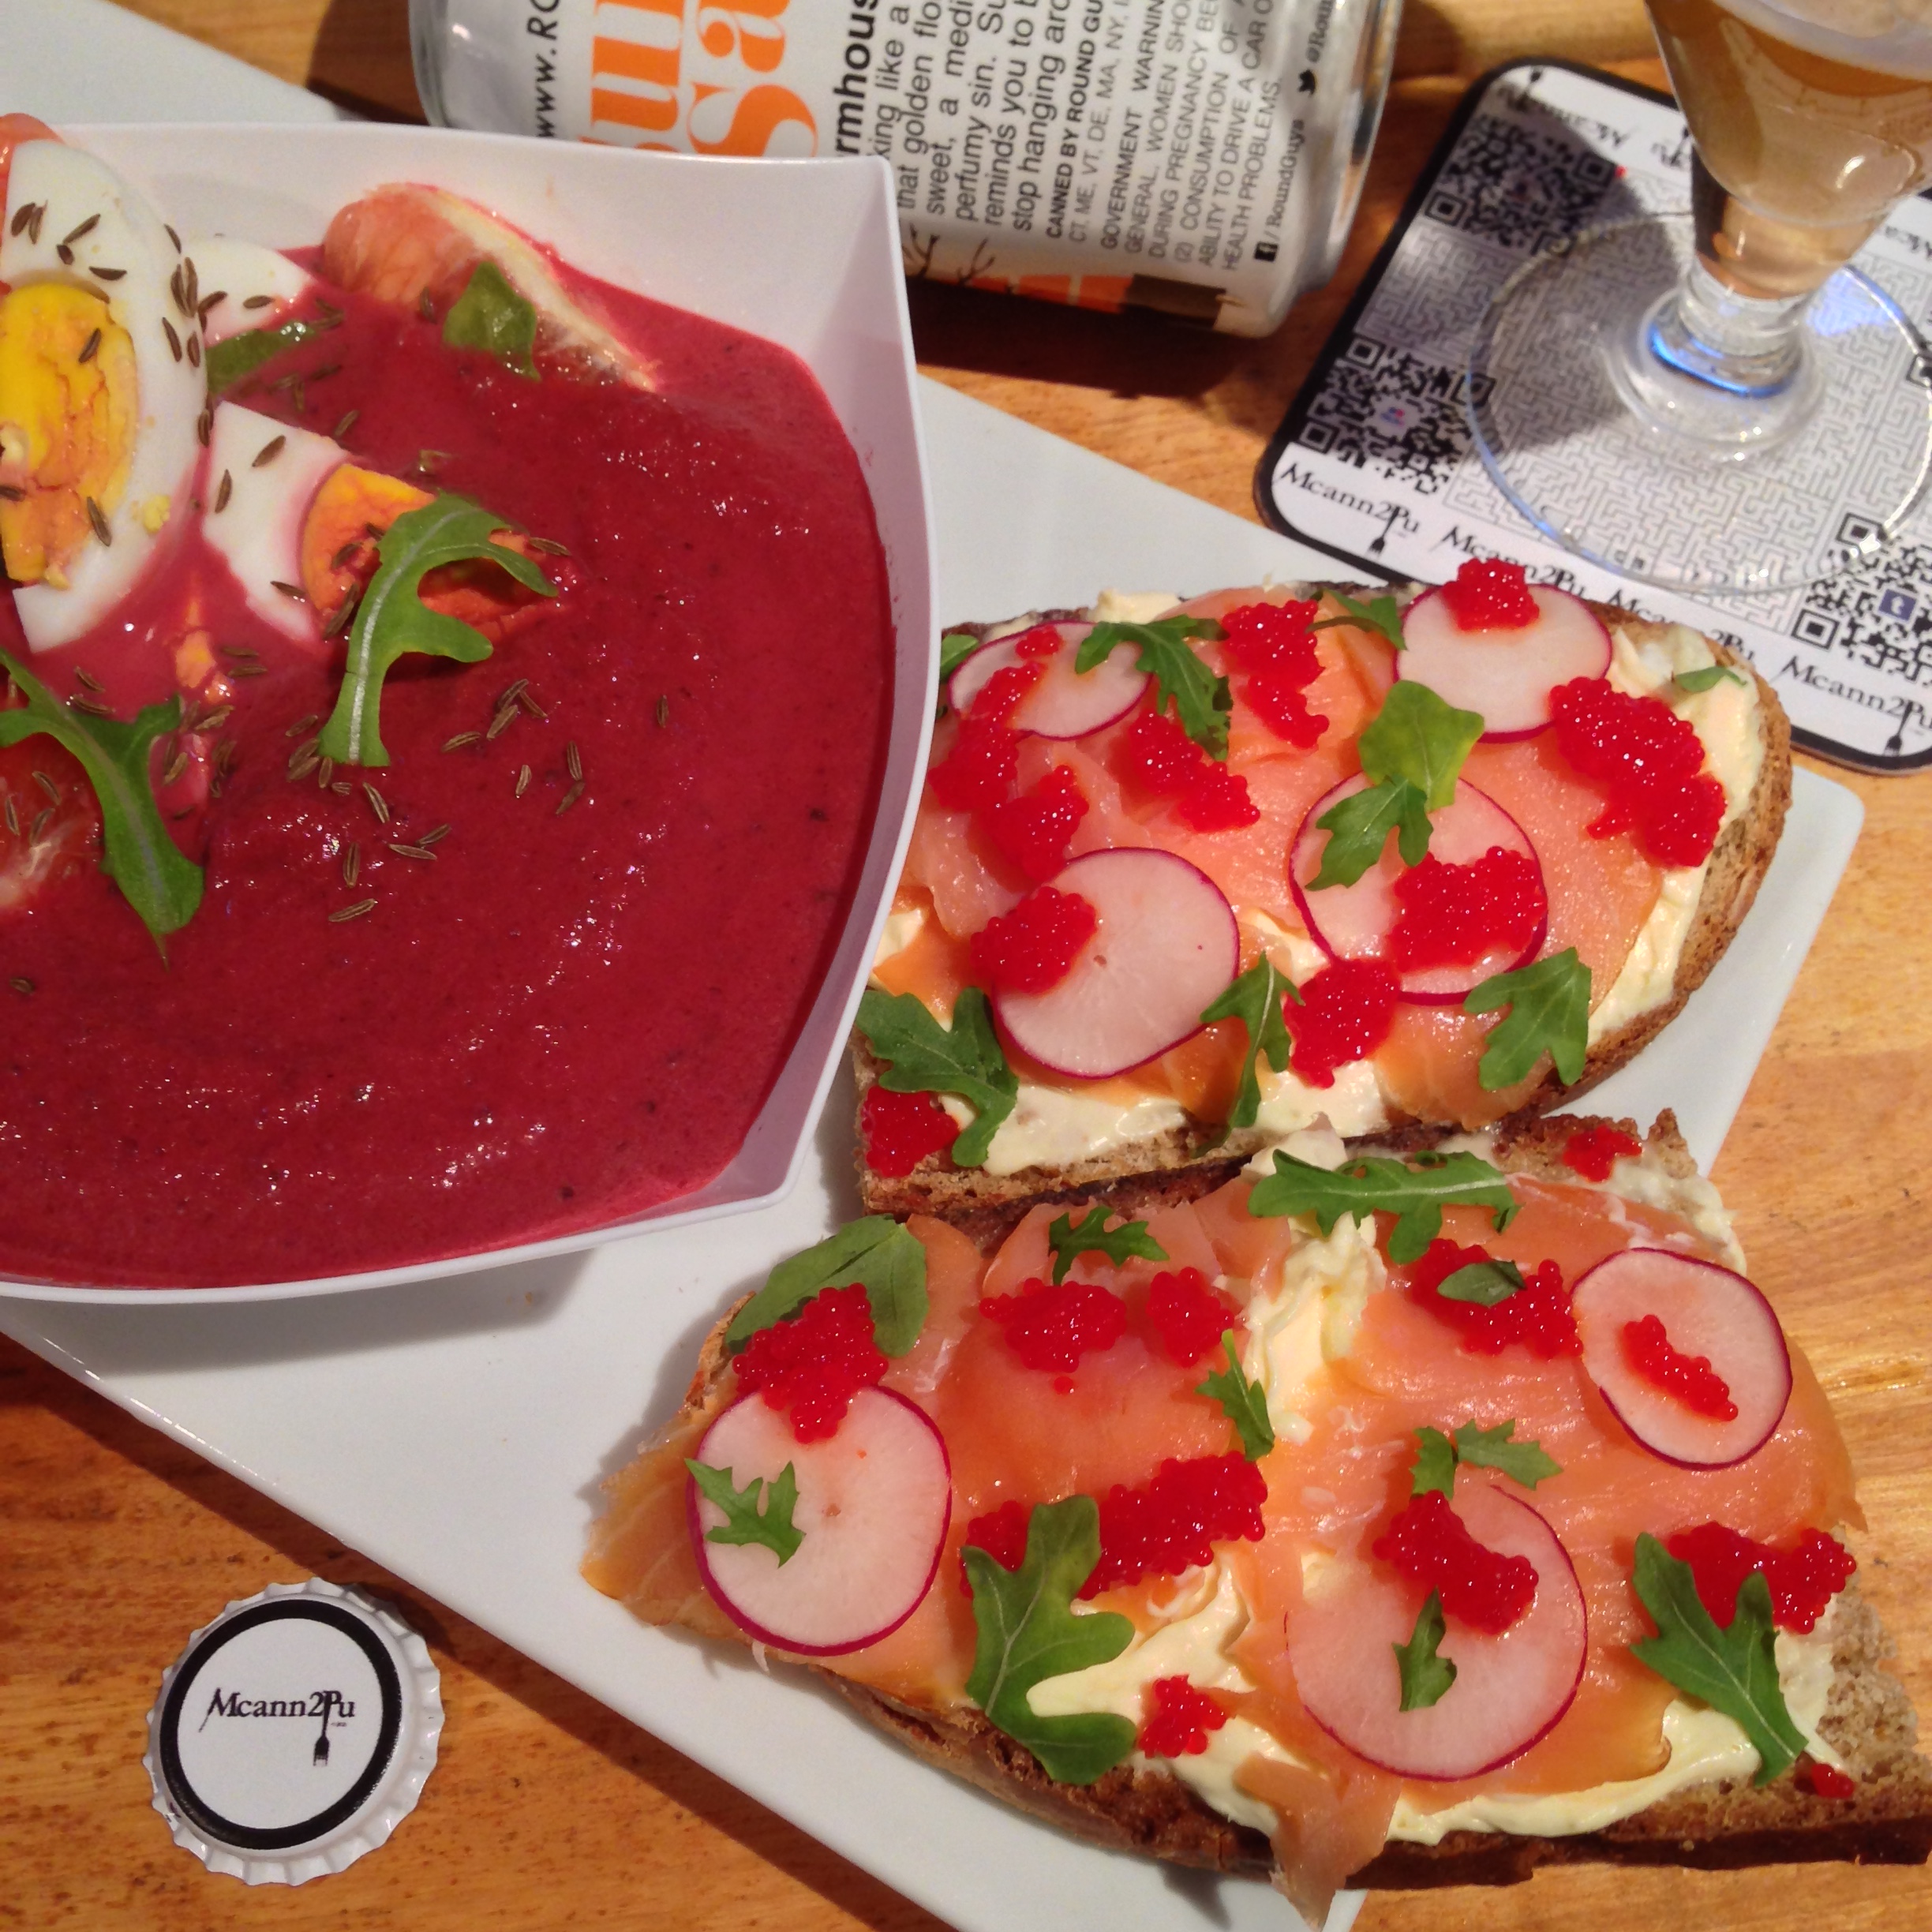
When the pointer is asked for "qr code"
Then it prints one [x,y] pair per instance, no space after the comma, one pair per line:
[1524,187]
[1880,617]
[1384,409]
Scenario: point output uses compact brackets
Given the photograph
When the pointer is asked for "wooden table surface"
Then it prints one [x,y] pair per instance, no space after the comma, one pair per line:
[545,1808]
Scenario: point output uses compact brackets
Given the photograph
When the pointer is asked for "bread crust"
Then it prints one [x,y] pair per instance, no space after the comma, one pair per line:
[1197,1157]
[1868,1721]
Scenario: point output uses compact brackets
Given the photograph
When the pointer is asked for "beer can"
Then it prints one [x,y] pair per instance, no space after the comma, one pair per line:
[1203,157]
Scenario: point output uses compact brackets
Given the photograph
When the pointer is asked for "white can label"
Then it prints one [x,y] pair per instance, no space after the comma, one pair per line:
[1065,148]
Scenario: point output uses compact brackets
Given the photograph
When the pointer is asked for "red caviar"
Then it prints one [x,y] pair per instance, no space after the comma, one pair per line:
[1042,641]
[1159,756]
[1488,594]
[816,1362]
[1178,1720]
[1052,1327]
[1168,1525]
[1216,799]
[1276,644]
[1690,1378]
[1001,1533]
[1034,829]
[981,769]
[901,1129]
[1172,1523]
[1345,1014]
[1033,947]
[1455,915]
[1538,1316]
[1188,1315]
[1592,1151]
[984,762]
[1648,761]
[1430,1544]
[1822,1780]
[1803,1580]
[999,697]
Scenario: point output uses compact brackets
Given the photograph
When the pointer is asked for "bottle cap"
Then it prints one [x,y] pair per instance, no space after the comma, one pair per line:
[294,1734]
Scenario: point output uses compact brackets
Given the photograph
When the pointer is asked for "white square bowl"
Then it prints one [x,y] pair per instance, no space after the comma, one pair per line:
[805,253]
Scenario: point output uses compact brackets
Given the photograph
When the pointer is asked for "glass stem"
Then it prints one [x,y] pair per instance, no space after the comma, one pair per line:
[1748,345]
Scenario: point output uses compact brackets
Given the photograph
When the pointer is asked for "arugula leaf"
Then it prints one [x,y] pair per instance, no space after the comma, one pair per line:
[1201,700]
[228,362]
[1483,1283]
[1525,1462]
[1549,1012]
[1028,1632]
[1438,1457]
[1380,613]
[1416,736]
[955,648]
[875,1253]
[1255,999]
[1070,1239]
[162,886]
[1425,1675]
[1416,1196]
[1734,1671]
[1702,680]
[1358,827]
[1435,1466]
[392,619]
[744,1522]
[924,1057]
[491,316]
[1243,1402]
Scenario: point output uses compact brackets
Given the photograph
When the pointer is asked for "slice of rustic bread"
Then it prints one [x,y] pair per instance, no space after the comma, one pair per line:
[1868,1721]
[1199,1156]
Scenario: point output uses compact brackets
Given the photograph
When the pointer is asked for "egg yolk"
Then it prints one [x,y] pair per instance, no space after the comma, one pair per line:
[66,424]
[353,508]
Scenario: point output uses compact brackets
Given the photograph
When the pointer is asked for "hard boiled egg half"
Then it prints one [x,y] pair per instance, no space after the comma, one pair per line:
[101,383]
[296,524]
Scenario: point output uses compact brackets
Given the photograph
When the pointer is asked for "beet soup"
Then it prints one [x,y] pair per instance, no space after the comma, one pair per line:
[538,973]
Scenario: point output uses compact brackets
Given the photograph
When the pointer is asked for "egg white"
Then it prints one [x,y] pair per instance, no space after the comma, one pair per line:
[128,235]
[257,533]
[241,272]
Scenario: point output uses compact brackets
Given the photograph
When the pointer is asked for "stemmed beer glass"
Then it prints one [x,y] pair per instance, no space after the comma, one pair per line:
[1696,404]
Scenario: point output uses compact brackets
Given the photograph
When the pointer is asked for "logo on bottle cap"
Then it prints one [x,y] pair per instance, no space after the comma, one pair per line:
[293,1733]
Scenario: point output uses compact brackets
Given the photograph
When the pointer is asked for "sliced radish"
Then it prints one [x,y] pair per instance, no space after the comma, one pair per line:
[1065,703]
[1354,922]
[1166,944]
[1509,1690]
[1706,1310]
[874,1502]
[1506,676]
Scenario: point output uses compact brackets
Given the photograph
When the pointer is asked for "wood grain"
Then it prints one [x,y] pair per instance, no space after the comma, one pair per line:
[547,1810]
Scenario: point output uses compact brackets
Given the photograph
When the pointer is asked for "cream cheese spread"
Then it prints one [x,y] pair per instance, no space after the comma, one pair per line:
[899,930]
[1131,606]
[1051,1128]
[1311,1317]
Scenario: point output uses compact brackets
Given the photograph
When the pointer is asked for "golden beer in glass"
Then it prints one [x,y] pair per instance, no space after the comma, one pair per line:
[1807,134]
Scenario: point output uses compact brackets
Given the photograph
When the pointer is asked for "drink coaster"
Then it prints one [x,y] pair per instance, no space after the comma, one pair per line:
[1375,462]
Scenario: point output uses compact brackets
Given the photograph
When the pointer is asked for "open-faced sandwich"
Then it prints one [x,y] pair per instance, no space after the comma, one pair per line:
[1189,878]
[1392,1519]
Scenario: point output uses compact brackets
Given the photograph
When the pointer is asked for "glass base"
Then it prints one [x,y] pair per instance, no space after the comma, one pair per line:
[1632,459]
